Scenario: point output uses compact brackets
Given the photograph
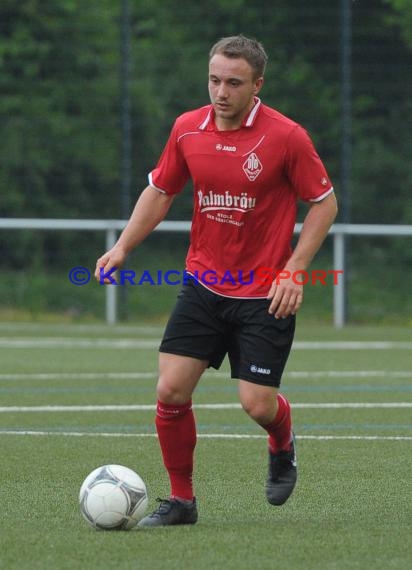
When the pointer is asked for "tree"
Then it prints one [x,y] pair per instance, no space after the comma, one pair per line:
[59,149]
[401,17]
[60,144]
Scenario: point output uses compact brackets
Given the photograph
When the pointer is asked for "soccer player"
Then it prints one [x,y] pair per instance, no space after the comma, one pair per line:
[249,165]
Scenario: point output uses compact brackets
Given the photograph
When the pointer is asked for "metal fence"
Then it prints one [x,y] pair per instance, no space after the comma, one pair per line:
[339,232]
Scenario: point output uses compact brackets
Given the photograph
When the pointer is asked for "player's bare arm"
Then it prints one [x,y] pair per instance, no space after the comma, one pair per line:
[286,294]
[150,209]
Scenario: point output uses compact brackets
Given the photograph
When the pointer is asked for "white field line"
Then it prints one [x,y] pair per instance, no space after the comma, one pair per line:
[228,406]
[209,373]
[95,330]
[210,435]
[127,343]
[65,342]
[352,345]
[80,376]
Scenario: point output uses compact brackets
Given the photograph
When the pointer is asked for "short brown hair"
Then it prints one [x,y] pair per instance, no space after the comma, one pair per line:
[241,47]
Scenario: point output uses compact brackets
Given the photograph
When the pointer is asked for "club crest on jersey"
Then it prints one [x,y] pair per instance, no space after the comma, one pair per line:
[252,166]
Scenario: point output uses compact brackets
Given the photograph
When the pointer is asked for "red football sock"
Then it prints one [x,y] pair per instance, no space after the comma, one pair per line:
[176,430]
[280,429]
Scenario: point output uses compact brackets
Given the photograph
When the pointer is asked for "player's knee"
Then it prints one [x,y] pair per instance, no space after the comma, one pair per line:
[170,392]
[260,411]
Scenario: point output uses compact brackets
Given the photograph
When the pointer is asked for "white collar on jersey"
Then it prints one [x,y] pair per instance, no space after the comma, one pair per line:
[248,122]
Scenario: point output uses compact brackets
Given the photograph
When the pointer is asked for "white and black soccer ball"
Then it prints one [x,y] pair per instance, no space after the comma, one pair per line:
[113,497]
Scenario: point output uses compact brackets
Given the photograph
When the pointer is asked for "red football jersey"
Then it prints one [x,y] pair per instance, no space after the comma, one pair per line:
[246,185]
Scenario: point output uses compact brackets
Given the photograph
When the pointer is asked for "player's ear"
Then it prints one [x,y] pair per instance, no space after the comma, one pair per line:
[258,85]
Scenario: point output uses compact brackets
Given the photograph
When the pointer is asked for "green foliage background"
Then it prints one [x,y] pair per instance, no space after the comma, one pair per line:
[60,147]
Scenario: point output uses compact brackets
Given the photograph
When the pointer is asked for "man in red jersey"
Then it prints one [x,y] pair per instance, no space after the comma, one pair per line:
[249,166]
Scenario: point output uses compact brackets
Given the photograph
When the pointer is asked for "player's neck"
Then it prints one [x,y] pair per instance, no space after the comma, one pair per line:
[235,122]
[228,124]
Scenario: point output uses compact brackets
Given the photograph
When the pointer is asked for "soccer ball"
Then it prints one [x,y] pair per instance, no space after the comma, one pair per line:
[113,497]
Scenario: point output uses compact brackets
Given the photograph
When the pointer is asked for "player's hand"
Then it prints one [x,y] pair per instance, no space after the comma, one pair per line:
[286,297]
[115,257]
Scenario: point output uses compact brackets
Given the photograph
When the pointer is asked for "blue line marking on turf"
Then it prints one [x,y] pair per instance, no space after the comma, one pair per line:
[390,388]
[351,426]
[86,390]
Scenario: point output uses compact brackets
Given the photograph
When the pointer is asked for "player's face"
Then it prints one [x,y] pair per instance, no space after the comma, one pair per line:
[232,87]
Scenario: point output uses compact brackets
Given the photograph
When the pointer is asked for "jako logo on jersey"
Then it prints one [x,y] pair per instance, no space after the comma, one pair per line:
[259,370]
[226,148]
[226,201]
[252,167]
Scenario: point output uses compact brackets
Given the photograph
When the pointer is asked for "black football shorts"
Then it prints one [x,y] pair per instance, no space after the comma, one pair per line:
[207,326]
